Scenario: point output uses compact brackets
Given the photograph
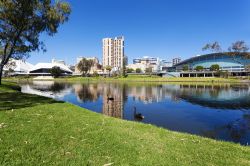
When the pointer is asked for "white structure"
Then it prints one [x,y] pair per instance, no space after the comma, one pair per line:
[44,68]
[113,52]
[18,67]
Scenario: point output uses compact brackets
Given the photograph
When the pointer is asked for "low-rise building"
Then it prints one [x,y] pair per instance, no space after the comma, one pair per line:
[156,64]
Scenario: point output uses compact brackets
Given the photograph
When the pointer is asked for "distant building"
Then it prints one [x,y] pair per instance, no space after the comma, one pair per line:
[113,52]
[145,62]
[176,61]
[95,68]
[44,68]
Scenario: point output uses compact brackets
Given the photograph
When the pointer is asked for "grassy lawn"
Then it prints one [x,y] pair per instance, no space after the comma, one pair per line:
[140,78]
[40,131]
[148,78]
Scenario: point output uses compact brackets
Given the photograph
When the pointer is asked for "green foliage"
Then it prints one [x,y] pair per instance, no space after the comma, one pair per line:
[214,47]
[199,68]
[247,68]
[215,67]
[84,66]
[56,71]
[138,70]
[185,68]
[95,74]
[23,21]
[109,68]
[239,46]
[130,70]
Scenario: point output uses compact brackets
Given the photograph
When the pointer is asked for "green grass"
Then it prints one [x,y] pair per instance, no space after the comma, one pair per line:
[40,131]
[147,78]
[140,78]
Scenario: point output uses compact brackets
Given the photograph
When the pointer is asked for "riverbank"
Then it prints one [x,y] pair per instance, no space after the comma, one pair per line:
[140,78]
[38,130]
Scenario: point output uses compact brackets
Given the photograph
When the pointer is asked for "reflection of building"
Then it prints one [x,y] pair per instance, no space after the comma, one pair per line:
[113,107]
[113,52]
[49,89]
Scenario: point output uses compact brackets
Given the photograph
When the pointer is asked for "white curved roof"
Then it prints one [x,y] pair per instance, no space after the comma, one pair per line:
[50,66]
[19,66]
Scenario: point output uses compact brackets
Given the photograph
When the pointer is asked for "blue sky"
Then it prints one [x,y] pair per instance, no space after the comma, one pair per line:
[159,28]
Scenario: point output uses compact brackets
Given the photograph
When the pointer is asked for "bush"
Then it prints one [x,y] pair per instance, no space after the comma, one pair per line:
[56,71]
[95,74]
[215,67]
[185,68]
[199,68]
[130,70]
[138,70]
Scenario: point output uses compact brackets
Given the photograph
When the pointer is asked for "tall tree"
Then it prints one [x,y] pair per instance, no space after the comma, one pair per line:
[238,46]
[22,22]
[109,68]
[214,47]
[85,65]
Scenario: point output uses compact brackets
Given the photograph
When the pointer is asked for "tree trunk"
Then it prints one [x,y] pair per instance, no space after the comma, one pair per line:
[1,73]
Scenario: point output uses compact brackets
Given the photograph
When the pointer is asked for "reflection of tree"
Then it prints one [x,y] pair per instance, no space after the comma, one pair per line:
[86,92]
[214,93]
[57,87]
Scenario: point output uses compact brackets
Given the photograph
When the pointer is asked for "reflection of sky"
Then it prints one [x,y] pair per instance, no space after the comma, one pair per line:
[170,106]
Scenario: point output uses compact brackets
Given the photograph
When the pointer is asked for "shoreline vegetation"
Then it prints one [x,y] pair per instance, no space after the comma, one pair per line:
[139,78]
[38,130]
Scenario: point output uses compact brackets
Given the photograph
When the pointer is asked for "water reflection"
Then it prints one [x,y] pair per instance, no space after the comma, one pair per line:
[215,111]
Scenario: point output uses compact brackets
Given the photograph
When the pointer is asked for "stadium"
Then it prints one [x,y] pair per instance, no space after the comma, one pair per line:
[236,64]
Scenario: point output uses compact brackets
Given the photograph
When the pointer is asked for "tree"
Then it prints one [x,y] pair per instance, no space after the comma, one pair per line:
[56,71]
[84,66]
[22,22]
[185,68]
[214,67]
[214,47]
[149,70]
[199,68]
[138,70]
[95,74]
[238,46]
[109,68]
[130,70]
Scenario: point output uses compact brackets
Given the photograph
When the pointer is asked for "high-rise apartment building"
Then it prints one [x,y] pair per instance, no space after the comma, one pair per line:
[113,52]
[176,60]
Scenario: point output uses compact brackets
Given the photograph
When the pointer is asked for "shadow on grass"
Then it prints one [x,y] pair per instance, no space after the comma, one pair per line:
[17,100]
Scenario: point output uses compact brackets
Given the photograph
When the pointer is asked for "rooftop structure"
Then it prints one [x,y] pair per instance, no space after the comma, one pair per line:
[17,67]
